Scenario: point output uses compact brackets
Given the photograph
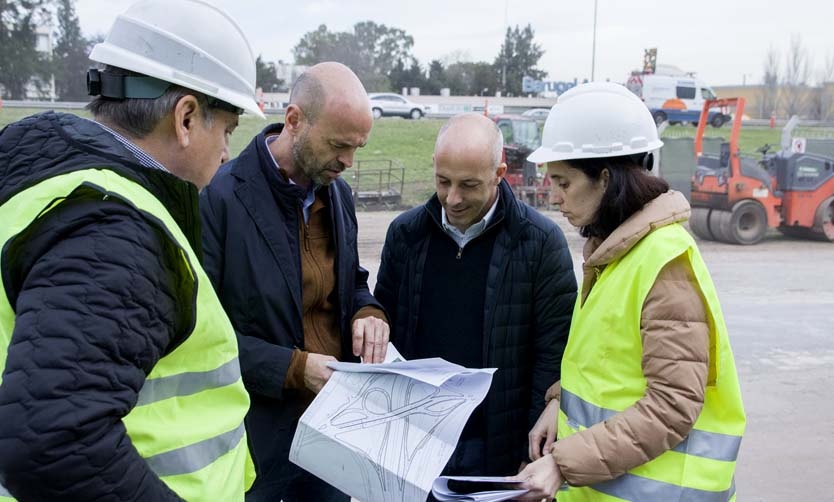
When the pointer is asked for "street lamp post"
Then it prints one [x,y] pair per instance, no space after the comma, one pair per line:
[594,46]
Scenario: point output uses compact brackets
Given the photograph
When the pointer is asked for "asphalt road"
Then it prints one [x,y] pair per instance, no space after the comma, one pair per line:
[778,302]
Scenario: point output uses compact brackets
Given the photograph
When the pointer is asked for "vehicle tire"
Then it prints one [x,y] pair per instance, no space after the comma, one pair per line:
[699,223]
[416,114]
[824,220]
[377,112]
[748,223]
[719,225]
[659,118]
[717,120]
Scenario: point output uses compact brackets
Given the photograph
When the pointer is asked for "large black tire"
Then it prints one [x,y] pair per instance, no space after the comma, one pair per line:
[720,227]
[659,118]
[717,120]
[748,223]
[416,114]
[699,223]
[377,112]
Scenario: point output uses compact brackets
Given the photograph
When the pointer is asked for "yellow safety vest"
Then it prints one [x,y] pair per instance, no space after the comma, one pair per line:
[188,421]
[602,376]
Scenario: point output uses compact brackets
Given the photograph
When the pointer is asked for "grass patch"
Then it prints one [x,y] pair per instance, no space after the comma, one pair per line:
[750,139]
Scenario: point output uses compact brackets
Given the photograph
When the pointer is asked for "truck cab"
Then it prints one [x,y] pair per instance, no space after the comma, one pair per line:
[678,99]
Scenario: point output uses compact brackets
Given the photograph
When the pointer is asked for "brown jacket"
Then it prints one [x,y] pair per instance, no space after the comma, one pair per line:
[320,320]
[675,338]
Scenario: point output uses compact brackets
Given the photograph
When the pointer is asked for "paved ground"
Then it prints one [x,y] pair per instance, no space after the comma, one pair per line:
[778,302]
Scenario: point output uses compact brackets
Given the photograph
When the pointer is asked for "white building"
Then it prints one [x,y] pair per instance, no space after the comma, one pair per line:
[45,44]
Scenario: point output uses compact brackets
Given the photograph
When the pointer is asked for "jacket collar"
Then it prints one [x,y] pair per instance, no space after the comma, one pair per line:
[508,212]
[88,145]
[254,192]
[668,208]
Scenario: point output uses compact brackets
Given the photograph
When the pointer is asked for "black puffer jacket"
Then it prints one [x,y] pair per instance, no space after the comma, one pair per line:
[98,300]
[531,290]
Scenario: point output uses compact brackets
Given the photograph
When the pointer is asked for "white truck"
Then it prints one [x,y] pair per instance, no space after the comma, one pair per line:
[676,98]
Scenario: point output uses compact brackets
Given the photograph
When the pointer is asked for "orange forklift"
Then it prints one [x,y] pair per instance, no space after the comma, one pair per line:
[736,199]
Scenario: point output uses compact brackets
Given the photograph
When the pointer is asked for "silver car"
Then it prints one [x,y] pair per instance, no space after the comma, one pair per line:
[389,104]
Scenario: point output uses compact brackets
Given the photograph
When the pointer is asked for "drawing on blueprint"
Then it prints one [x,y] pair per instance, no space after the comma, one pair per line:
[383,435]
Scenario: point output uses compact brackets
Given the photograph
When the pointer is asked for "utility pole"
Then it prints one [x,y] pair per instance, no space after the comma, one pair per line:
[504,56]
[594,46]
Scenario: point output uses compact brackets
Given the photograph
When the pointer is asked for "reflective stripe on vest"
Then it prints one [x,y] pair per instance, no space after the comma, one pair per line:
[699,443]
[186,384]
[602,375]
[188,421]
[638,489]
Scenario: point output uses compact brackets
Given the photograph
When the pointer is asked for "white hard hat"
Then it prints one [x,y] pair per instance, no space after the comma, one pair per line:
[190,43]
[594,120]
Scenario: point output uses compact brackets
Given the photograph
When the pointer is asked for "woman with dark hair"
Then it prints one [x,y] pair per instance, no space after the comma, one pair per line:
[648,407]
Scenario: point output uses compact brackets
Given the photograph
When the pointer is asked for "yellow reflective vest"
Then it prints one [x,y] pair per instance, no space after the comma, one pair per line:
[188,421]
[602,376]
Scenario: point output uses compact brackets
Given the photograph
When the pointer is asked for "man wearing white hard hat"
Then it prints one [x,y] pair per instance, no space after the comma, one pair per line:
[648,406]
[120,373]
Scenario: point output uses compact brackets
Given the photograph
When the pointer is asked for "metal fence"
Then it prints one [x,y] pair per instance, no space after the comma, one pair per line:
[377,183]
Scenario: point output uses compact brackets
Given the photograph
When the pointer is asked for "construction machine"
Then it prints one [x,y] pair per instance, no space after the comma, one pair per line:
[522,135]
[735,199]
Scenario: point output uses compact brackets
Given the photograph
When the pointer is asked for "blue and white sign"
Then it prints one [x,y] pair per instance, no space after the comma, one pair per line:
[529,84]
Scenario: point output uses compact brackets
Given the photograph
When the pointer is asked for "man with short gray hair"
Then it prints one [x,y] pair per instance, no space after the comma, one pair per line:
[120,372]
[482,280]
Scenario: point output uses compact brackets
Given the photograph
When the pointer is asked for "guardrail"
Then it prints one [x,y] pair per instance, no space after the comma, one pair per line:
[63,105]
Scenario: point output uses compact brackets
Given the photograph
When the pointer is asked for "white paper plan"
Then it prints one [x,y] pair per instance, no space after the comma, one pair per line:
[384,432]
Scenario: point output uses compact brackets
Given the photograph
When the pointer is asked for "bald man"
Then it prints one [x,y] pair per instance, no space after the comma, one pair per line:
[279,237]
[482,280]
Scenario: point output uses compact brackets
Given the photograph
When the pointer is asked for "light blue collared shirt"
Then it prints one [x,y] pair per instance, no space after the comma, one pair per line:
[311,192]
[463,238]
[143,158]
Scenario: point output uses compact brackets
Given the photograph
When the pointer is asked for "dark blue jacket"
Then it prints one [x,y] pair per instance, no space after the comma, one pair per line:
[99,298]
[250,242]
[530,294]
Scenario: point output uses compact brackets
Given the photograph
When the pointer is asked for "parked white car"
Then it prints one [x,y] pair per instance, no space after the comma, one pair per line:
[537,113]
[385,104]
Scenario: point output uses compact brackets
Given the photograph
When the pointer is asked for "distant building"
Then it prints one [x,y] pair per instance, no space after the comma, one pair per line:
[39,88]
[289,72]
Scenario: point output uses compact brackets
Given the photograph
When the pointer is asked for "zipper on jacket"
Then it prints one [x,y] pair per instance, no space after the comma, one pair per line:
[460,252]
[597,272]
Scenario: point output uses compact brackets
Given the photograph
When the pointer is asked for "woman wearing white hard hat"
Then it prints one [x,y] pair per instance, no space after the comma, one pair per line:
[648,407]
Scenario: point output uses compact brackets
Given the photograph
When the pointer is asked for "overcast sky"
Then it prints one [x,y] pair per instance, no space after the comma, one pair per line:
[724,42]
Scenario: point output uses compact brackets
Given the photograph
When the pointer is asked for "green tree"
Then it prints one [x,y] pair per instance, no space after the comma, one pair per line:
[19,58]
[411,76]
[266,77]
[372,51]
[471,79]
[518,58]
[437,77]
[70,58]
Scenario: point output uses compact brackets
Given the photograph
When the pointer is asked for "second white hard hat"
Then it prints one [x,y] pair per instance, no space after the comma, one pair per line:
[594,120]
[190,43]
